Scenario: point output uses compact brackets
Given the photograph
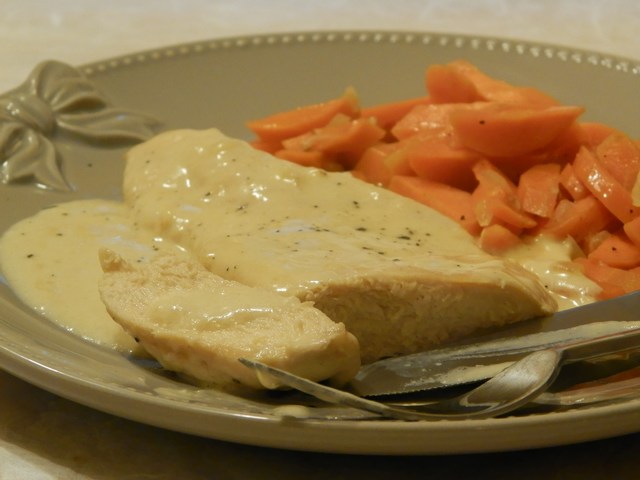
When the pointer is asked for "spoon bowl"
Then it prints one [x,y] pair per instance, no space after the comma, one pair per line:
[515,386]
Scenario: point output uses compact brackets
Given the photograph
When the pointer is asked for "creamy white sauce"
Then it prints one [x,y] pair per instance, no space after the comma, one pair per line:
[50,260]
[551,260]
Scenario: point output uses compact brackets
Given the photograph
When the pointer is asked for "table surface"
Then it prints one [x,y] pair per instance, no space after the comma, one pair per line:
[43,436]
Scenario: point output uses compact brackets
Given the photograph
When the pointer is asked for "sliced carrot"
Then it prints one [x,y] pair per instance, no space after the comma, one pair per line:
[495,90]
[269,147]
[593,241]
[621,156]
[496,206]
[495,199]
[572,184]
[614,281]
[448,84]
[490,177]
[387,114]
[503,130]
[491,210]
[539,188]
[593,133]
[433,119]
[435,159]
[382,161]
[602,184]
[635,191]
[450,201]
[617,251]
[497,239]
[578,219]
[632,229]
[304,158]
[295,122]
[343,138]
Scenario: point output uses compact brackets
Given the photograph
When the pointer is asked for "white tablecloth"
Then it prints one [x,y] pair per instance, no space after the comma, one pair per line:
[45,437]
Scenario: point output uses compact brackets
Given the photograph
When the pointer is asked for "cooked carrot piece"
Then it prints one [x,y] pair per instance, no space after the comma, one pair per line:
[435,159]
[495,199]
[617,251]
[621,156]
[304,158]
[491,210]
[433,119]
[495,90]
[572,184]
[387,114]
[539,188]
[447,84]
[632,229]
[269,147]
[450,201]
[602,184]
[578,219]
[343,138]
[382,161]
[504,130]
[295,122]
[593,133]
[497,239]
[614,281]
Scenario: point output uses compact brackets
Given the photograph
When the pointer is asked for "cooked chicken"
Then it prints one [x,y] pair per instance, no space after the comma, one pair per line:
[399,275]
[199,324]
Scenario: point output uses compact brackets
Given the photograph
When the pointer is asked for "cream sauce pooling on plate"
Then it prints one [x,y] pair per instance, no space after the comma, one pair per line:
[51,261]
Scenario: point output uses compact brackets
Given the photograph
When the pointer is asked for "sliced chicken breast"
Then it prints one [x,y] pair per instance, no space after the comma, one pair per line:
[198,324]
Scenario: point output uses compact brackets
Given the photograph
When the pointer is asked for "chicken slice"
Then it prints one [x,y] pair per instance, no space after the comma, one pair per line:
[198,324]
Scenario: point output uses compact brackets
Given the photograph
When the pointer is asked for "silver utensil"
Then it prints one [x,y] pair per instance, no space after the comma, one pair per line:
[513,387]
[484,356]
[510,389]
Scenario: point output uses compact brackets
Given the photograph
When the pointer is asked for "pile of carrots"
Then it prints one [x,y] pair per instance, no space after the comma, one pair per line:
[506,162]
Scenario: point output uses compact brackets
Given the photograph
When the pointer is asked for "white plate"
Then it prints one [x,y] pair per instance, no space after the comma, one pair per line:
[223,83]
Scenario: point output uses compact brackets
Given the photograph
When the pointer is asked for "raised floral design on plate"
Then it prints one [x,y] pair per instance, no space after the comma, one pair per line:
[58,98]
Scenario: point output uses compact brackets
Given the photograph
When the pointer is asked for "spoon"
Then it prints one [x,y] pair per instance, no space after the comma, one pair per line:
[508,390]
[511,388]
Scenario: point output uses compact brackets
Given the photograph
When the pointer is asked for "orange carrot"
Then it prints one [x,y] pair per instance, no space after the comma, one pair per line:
[593,133]
[617,251]
[447,84]
[614,281]
[632,229]
[431,119]
[269,147]
[450,201]
[295,122]
[343,138]
[621,156]
[601,183]
[304,158]
[496,239]
[382,161]
[572,184]
[495,90]
[539,188]
[387,114]
[435,159]
[578,219]
[503,130]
